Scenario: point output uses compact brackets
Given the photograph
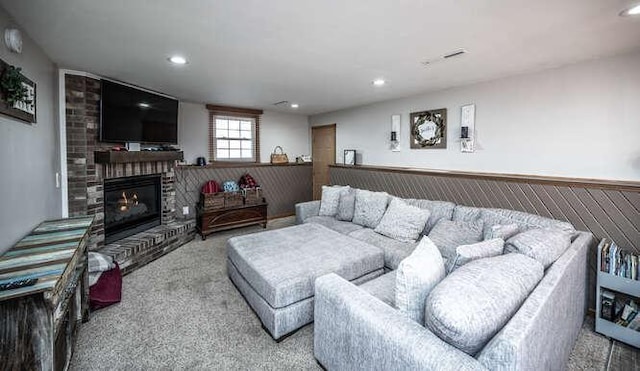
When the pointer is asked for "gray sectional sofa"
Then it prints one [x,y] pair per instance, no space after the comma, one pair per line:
[359,327]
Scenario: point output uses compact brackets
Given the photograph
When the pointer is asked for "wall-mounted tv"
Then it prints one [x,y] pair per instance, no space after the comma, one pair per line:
[132,115]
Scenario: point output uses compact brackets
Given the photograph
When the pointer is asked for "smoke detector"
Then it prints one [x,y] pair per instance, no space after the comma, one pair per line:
[454,54]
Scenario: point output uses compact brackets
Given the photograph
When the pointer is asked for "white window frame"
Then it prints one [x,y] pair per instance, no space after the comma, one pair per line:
[215,138]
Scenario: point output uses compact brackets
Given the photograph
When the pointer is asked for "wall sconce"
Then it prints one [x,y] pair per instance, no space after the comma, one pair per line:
[395,133]
[467,128]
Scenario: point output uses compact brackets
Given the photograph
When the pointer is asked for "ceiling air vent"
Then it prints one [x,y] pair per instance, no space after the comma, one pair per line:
[281,103]
[453,54]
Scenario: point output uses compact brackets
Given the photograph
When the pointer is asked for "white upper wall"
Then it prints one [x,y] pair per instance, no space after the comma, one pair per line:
[29,152]
[581,120]
[289,131]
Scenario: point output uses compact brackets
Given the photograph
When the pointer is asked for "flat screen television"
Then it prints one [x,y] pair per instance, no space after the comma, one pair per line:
[132,115]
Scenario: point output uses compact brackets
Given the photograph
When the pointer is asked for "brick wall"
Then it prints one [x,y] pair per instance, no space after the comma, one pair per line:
[85,177]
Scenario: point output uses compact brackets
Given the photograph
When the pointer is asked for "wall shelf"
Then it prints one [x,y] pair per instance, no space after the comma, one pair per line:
[119,157]
[626,286]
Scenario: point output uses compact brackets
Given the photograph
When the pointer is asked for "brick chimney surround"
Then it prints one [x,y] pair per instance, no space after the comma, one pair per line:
[86,180]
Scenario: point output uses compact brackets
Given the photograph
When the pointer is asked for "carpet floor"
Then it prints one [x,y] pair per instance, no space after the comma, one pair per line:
[182,312]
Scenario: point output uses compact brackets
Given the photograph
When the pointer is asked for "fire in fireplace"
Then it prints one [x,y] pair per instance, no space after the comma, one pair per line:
[131,205]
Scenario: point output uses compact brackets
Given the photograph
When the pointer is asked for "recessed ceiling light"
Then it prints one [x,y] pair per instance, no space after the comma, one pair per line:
[634,10]
[294,105]
[379,82]
[144,105]
[177,59]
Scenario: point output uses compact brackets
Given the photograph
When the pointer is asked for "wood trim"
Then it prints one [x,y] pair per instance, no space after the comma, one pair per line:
[223,164]
[119,157]
[226,110]
[323,126]
[280,216]
[620,185]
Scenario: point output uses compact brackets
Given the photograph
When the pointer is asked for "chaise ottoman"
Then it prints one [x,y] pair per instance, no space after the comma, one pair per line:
[275,270]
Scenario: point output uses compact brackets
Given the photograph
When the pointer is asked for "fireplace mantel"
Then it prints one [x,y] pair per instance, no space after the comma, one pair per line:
[120,157]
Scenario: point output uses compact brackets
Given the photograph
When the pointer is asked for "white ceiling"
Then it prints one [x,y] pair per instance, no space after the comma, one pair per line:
[321,54]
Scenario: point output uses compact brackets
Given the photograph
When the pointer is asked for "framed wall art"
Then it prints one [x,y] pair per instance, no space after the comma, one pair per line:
[17,94]
[429,129]
[349,156]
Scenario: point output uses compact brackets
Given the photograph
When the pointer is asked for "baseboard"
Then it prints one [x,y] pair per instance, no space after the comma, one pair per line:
[280,216]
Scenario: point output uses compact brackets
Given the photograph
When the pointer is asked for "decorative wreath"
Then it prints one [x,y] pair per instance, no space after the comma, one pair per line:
[421,119]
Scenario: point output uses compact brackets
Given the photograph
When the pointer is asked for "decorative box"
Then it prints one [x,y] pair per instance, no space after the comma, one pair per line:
[252,196]
[233,199]
[212,201]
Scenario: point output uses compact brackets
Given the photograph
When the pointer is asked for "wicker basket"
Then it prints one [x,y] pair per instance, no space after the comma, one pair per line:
[252,196]
[212,201]
[233,199]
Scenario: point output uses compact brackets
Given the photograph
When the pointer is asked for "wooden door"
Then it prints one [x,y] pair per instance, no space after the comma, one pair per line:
[323,152]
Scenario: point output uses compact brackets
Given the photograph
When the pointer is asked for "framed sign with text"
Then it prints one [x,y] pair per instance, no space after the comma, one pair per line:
[429,129]
[24,106]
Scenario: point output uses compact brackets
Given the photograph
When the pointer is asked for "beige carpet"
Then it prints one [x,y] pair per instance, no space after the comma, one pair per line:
[181,312]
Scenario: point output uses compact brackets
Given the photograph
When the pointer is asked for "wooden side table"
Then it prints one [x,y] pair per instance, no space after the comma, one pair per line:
[40,321]
[210,221]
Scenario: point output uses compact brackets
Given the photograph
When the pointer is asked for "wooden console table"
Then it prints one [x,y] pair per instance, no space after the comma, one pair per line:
[208,222]
[39,322]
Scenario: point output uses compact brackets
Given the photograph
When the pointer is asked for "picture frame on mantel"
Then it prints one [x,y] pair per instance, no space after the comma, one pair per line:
[428,129]
[350,157]
[20,110]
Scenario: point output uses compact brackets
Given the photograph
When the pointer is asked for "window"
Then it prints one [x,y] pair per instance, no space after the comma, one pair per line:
[234,138]
[234,134]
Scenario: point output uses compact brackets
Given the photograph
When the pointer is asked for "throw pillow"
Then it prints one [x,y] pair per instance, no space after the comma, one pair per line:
[448,235]
[474,302]
[524,220]
[370,207]
[466,214]
[330,199]
[416,276]
[504,231]
[542,244]
[439,210]
[403,222]
[346,205]
[468,253]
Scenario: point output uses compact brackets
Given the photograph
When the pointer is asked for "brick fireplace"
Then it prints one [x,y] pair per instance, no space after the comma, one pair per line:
[87,177]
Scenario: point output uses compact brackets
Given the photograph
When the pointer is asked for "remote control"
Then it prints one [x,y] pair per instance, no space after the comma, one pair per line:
[17,284]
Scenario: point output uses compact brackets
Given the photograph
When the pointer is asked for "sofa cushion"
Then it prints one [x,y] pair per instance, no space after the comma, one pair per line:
[503,231]
[542,244]
[474,302]
[281,265]
[467,214]
[417,275]
[439,210]
[394,250]
[468,253]
[402,222]
[346,205]
[448,235]
[383,288]
[370,207]
[331,223]
[330,200]
[524,220]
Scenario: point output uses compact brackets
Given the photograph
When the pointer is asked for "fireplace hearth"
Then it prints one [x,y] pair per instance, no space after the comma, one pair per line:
[131,205]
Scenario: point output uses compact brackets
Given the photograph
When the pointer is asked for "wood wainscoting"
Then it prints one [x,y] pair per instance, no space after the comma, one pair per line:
[282,185]
[605,208]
